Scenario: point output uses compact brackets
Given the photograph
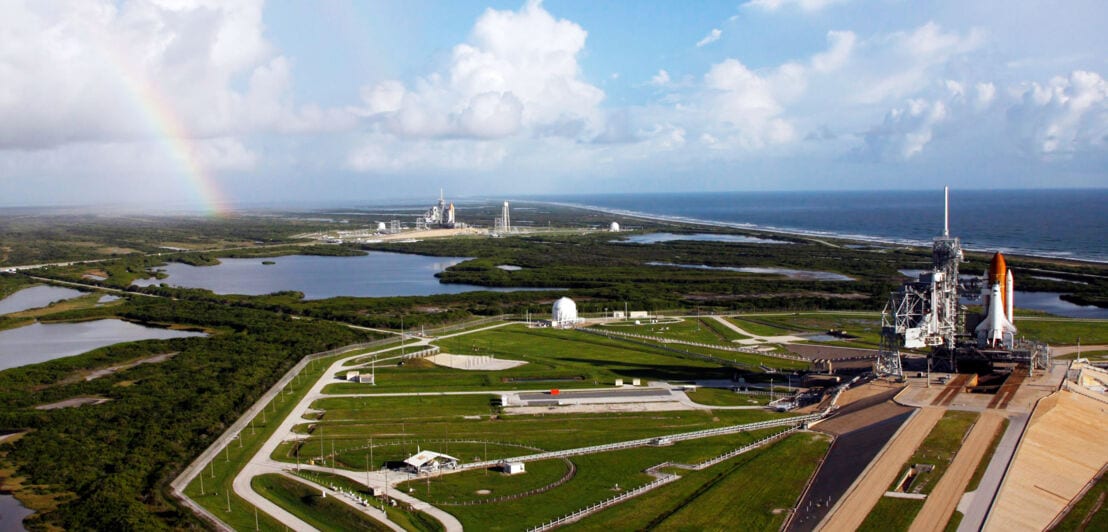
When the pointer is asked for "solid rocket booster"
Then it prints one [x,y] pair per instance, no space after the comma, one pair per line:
[996,329]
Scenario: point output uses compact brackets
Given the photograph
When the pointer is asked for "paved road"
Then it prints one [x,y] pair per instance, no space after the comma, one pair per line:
[982,499]
[1057,351]
[859,501]
[944,498]
[261,463]
[609,393]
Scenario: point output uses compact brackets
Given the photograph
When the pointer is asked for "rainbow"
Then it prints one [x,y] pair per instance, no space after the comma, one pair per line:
[174,136]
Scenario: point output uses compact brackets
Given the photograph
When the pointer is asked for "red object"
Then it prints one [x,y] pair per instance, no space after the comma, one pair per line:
[555,392]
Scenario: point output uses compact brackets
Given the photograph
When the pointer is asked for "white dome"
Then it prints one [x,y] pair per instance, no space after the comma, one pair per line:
[564,311]
[615,227]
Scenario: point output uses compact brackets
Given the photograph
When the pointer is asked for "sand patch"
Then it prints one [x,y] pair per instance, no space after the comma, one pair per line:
[474,363]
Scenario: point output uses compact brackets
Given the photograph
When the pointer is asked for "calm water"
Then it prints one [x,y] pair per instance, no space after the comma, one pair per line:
[806,275]
[40,342]
[653,238]
[12,513]
[1057,223]
[35,297]
[378,274]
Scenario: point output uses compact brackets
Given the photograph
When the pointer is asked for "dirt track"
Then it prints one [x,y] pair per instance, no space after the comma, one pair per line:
[867,490]
[944,498]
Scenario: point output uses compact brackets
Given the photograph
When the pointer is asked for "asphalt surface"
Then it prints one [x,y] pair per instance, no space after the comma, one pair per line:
[596,394]
[847,459]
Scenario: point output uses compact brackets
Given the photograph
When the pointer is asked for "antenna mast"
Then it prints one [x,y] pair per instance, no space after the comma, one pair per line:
[946,212]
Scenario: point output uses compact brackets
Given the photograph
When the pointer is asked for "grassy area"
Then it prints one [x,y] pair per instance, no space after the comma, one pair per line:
[757,326]
[723,397]
[396,436]
[939,448]
[1063,331]
[485,484]
[755,488]
[599,477]
[1091,355]
[891,514]
[406,518]
[1089,513]
[692,329]
[865,326]
[305,502]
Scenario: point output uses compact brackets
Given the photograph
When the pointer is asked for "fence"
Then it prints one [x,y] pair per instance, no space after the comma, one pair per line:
[747,350]
[662,478]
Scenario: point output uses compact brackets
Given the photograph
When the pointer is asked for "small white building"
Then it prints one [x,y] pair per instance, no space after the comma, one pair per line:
[513,468]
[430,462]
[352,376]
[614,227]
[564,313]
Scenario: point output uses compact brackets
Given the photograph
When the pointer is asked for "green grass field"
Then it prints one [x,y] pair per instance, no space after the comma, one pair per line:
[704,329]
[305,502]
[938,450]
[1090,512]
[722,397]
[760,327]
[1064,332]
[753,491]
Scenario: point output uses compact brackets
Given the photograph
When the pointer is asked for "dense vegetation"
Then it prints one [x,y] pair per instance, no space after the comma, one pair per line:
[115,459]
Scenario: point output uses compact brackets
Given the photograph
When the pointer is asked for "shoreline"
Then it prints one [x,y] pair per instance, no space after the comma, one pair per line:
[853,238]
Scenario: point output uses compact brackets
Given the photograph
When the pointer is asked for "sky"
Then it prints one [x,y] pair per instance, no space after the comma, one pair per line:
[207,102]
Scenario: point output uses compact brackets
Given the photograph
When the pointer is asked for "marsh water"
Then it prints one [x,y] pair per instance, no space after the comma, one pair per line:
[378,274]
[806,275]
[654,238]
[35,297]
[12,513]
[40,342]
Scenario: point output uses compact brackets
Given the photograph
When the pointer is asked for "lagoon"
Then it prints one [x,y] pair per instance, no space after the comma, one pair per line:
[800,275]
[654,238]
[40,342]
[12,513]
[35,297]
[378,274]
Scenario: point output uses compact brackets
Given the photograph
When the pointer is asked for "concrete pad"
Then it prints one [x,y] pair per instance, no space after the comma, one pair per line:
[474,363]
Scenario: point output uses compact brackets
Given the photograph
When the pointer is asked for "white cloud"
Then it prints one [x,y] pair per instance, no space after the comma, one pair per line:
[99,70]
[660,79]
[805,5]
[842,45]
[711,37]
[519,71]
[906,130]
[1066,116]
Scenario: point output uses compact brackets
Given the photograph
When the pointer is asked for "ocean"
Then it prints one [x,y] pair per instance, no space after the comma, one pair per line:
[1048,223]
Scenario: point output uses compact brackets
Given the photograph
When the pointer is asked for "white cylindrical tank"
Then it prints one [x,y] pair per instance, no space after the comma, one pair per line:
[614,227]
[564,312]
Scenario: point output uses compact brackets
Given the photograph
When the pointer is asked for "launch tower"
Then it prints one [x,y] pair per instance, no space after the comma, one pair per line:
[926,313]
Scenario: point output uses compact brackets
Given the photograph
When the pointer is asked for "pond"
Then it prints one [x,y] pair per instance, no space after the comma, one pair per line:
[801,275]
[35,297]
[654,238]
[12,513]
[379,274]
[40,342]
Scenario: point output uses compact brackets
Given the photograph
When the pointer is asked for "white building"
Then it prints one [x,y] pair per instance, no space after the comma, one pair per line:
[614,227]
[430,462]
[513,468]
[564,313]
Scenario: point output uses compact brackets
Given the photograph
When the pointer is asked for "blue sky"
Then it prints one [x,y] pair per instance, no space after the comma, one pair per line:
[187,101]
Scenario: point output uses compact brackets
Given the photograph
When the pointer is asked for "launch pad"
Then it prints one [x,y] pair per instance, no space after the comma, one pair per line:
[927,313]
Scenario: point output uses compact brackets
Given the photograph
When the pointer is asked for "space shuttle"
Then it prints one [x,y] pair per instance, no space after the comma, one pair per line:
[996,330]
